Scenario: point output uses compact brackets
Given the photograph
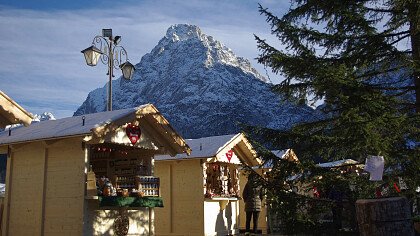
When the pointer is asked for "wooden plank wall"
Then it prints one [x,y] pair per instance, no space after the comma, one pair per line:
[45,192]
[26,190]
[182,193]
[65,183]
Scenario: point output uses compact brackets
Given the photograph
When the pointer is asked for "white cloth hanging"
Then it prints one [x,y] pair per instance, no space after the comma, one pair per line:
[375,166]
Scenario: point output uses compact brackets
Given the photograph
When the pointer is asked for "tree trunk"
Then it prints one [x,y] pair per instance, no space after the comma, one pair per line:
[384,217]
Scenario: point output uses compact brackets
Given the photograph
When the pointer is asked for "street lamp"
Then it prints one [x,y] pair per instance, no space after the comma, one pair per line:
[107,48]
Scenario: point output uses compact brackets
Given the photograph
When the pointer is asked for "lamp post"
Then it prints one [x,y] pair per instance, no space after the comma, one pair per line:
[107,48]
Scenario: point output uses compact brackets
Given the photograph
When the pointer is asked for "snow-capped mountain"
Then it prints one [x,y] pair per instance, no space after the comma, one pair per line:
[36,118]
[200,86]
[43,116]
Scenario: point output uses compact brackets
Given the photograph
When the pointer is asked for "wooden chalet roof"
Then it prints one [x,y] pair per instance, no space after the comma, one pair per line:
[98,125]
[12,113]
[210,147]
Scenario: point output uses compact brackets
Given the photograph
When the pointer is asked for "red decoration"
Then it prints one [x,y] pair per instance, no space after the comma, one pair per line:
[315,192]
[133,132]
[396,188]
[378,192]
[229,154]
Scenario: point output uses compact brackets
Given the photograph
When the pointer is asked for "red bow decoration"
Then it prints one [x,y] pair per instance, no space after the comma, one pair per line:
[133,132]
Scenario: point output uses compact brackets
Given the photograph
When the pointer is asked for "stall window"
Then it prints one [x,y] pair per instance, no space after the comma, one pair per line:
[222,180]
[121,170]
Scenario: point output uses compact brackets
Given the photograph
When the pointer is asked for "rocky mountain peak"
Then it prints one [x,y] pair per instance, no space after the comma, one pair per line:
[200,86]
[181,32]
[184,39]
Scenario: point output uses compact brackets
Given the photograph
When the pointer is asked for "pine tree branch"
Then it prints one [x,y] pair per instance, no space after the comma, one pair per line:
[373,73]
[405,88]
[384,10]
[383,34]
[400,38]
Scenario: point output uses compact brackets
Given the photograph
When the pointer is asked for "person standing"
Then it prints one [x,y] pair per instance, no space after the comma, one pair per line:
[252,196]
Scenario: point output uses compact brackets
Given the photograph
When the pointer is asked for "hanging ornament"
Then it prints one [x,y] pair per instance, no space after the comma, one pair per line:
[229,154]
[133,132]
[397,188]
[315,192]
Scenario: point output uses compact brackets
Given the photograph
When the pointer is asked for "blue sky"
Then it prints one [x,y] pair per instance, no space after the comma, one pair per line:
[41,66]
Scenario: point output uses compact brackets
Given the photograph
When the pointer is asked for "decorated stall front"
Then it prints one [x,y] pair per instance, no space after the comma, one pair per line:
[202,192]
[87,175]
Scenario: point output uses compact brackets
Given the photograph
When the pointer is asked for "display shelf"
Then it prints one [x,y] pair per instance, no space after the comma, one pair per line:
[116,201]
[124,171]
[150,185]
[91,197]
[222,198]
[99,159]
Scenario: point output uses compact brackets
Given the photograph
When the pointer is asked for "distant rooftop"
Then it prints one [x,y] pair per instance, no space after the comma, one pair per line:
[202,147]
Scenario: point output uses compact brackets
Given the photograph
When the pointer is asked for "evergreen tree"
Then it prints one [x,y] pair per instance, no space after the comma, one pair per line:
[362,59]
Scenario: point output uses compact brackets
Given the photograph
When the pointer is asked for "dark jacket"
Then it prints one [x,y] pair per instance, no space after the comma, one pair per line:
[252,195]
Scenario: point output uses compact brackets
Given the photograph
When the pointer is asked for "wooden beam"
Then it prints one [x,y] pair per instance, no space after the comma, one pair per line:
[44,190]
[171,200]
[9,174]
[168,129]
[16,147]
[157,134]
[13,112]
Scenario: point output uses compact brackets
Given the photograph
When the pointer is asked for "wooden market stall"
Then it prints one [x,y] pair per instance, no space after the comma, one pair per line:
[202,192]
[86,175]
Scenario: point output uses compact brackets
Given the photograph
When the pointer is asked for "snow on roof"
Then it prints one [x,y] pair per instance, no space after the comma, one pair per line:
[71,126]
[214,147]
[287,155]
[279,153]
[202,147]
[338,163]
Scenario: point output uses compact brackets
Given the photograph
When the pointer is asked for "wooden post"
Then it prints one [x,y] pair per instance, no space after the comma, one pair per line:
[383,217]
[44,190]
[6,202]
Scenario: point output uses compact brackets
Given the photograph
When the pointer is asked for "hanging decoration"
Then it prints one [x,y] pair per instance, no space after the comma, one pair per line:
[315,192]
[229,154]
[121,224]
[133,132]
[397,188]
